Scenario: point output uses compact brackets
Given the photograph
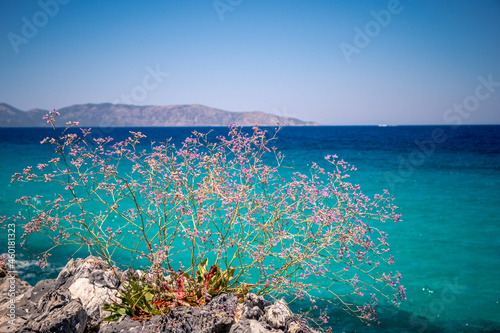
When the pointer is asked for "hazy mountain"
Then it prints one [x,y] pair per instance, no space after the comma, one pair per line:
[121,115]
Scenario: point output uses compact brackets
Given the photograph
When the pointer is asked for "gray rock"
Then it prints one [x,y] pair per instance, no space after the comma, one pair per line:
[71,303]
[253,300]
[92,297]
[93,283]
[293,325]
[252,326]
[277,314]
[254,307]
[123,325]
[12,284]
[105,279]
[56,311]
[226,303]
[84,268]
[215,317]
[14,306]
[253,313]
[40,289]
[219,316]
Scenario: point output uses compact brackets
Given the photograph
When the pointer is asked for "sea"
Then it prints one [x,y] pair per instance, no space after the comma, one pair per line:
[445,179]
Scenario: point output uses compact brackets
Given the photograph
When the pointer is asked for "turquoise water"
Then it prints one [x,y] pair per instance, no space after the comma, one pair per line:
[447,247]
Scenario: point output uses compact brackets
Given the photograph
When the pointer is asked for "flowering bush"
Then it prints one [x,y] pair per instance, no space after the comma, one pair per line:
[311,235]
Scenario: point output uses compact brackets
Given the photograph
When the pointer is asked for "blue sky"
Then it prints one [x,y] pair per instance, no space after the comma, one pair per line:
[421,62]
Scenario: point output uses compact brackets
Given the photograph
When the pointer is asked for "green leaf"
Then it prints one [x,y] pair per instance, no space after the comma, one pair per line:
[227,276]
[202,270]
[113,317]
[149,296]
[121,311]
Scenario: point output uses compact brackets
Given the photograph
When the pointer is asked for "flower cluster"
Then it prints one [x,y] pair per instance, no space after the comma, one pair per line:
[224,200]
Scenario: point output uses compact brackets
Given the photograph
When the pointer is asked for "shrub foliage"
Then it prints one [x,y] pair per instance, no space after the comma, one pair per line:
[225,201]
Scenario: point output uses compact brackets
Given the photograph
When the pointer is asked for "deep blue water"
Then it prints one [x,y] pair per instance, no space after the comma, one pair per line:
[445,179]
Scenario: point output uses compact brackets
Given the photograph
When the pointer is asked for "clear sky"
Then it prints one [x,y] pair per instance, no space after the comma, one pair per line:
[336,62]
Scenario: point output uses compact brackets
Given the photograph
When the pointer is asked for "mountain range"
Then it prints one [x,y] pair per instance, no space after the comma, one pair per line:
[123,115]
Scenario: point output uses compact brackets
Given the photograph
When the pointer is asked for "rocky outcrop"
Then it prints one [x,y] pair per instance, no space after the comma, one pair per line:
[91,282]
[261,316]
[222,315]
[57,311]
[217,317]
[73,303]
[13,310]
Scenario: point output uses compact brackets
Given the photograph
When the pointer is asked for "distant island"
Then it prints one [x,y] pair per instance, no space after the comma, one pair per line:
[122,115]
